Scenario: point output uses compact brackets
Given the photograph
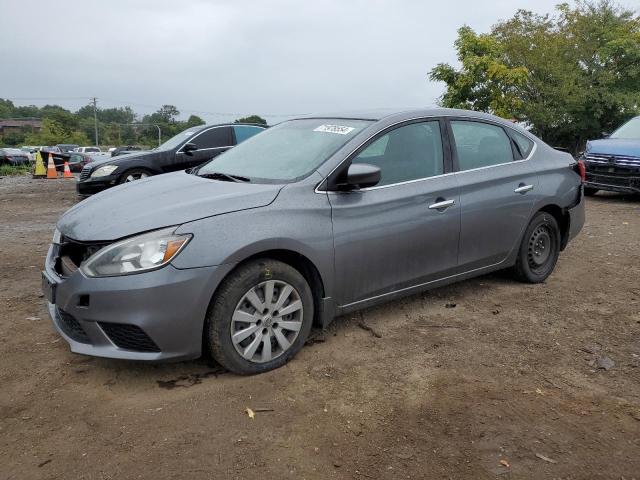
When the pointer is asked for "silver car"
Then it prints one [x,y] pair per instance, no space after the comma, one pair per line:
[313,218]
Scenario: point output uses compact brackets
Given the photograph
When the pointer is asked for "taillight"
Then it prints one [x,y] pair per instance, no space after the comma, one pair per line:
[581,170]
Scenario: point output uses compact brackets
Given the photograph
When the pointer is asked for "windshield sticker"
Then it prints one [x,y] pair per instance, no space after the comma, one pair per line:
[339,129]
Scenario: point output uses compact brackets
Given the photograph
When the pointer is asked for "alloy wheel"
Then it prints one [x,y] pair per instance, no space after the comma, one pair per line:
[132,177]
[266,321]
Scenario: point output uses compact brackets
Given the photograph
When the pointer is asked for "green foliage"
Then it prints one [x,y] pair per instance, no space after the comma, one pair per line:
[257,119]
[194,121]
[13,139]
[7,170]
[54,132]
[570,76]
[116,126]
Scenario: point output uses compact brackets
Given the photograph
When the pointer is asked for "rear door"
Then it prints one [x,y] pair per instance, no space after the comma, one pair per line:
[404,231]
[495,191]
[211,143]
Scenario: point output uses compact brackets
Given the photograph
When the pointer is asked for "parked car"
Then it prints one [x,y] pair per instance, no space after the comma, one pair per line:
[78,160]
[315,217]
[87,150]
[29,151]
[67,147]
[613,163]
[14,157]
[123,150]
[188,149]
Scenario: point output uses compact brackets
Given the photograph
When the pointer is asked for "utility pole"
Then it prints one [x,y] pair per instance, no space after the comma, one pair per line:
[95,118]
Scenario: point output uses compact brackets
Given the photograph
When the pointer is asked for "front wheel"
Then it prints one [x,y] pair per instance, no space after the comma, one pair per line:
[259,318]
[539,249]
[133,175]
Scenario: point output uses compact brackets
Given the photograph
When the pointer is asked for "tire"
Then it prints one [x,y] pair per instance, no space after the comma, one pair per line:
[234,309]
[539,249]
[590,191]
[132,175]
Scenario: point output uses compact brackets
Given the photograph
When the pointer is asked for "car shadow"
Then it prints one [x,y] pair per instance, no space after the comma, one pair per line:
[610,197]
[189,373]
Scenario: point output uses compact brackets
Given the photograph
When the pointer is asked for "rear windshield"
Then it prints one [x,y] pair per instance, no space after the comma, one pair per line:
[288,151]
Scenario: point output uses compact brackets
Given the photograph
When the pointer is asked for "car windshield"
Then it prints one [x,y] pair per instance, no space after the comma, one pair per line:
[286,152]
[630,130]
[176,140]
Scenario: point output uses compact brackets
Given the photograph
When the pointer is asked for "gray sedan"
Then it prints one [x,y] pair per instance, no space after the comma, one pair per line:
[313,218]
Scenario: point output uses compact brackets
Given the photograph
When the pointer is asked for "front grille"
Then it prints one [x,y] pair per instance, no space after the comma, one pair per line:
[618,160]
[71,327]
[85,173]
[129,337]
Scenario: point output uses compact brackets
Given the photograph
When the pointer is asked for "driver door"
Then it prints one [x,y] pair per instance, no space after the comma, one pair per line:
[404,231]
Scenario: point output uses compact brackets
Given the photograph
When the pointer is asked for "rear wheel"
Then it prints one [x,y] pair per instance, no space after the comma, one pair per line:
[539,249]
[133,175]
[590,191]
[260,317]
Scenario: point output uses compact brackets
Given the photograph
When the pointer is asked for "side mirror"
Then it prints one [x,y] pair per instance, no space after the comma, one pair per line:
[189,147]
[363,175]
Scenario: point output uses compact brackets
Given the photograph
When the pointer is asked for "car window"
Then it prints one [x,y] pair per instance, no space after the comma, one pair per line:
[243,132]
[213,138]
[524,144]
[480,144]
[406,153]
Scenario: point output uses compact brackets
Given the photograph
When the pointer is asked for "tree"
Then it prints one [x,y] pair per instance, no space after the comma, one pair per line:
[257,119]
[194,121]
[570,76]
[53,132]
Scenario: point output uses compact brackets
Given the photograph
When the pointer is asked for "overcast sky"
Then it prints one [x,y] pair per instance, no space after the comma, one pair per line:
[269,57]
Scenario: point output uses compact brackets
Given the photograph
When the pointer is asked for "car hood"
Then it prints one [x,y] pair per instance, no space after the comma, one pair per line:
[614,146]
[157,202]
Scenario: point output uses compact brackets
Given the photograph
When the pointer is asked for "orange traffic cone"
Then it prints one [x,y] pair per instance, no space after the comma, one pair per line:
[51,168]
[67,171]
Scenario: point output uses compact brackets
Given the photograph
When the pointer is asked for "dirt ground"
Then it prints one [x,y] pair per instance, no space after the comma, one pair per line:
[485,379]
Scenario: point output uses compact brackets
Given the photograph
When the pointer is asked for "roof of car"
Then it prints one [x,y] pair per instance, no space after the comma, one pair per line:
[380,113]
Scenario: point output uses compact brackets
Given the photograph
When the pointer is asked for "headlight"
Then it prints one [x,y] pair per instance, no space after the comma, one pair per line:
[103,171]
[57,236]
[135,255]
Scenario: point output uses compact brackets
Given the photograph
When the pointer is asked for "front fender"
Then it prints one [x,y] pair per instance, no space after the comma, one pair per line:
[296,223]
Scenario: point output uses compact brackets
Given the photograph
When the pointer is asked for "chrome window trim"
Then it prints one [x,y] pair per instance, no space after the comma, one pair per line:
[431,118]
[205,149]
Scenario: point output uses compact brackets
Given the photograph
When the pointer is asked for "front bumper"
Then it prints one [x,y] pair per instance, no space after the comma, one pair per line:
[614,183]
[91,186]
[153,316]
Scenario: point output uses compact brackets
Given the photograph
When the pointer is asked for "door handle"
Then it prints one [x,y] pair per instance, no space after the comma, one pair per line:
[522,188]
[442,204]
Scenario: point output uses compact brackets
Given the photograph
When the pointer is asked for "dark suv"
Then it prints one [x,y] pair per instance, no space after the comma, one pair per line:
[613,163]
[188,149]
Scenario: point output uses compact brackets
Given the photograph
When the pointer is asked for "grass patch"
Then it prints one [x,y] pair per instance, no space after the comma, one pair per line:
[6,170]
